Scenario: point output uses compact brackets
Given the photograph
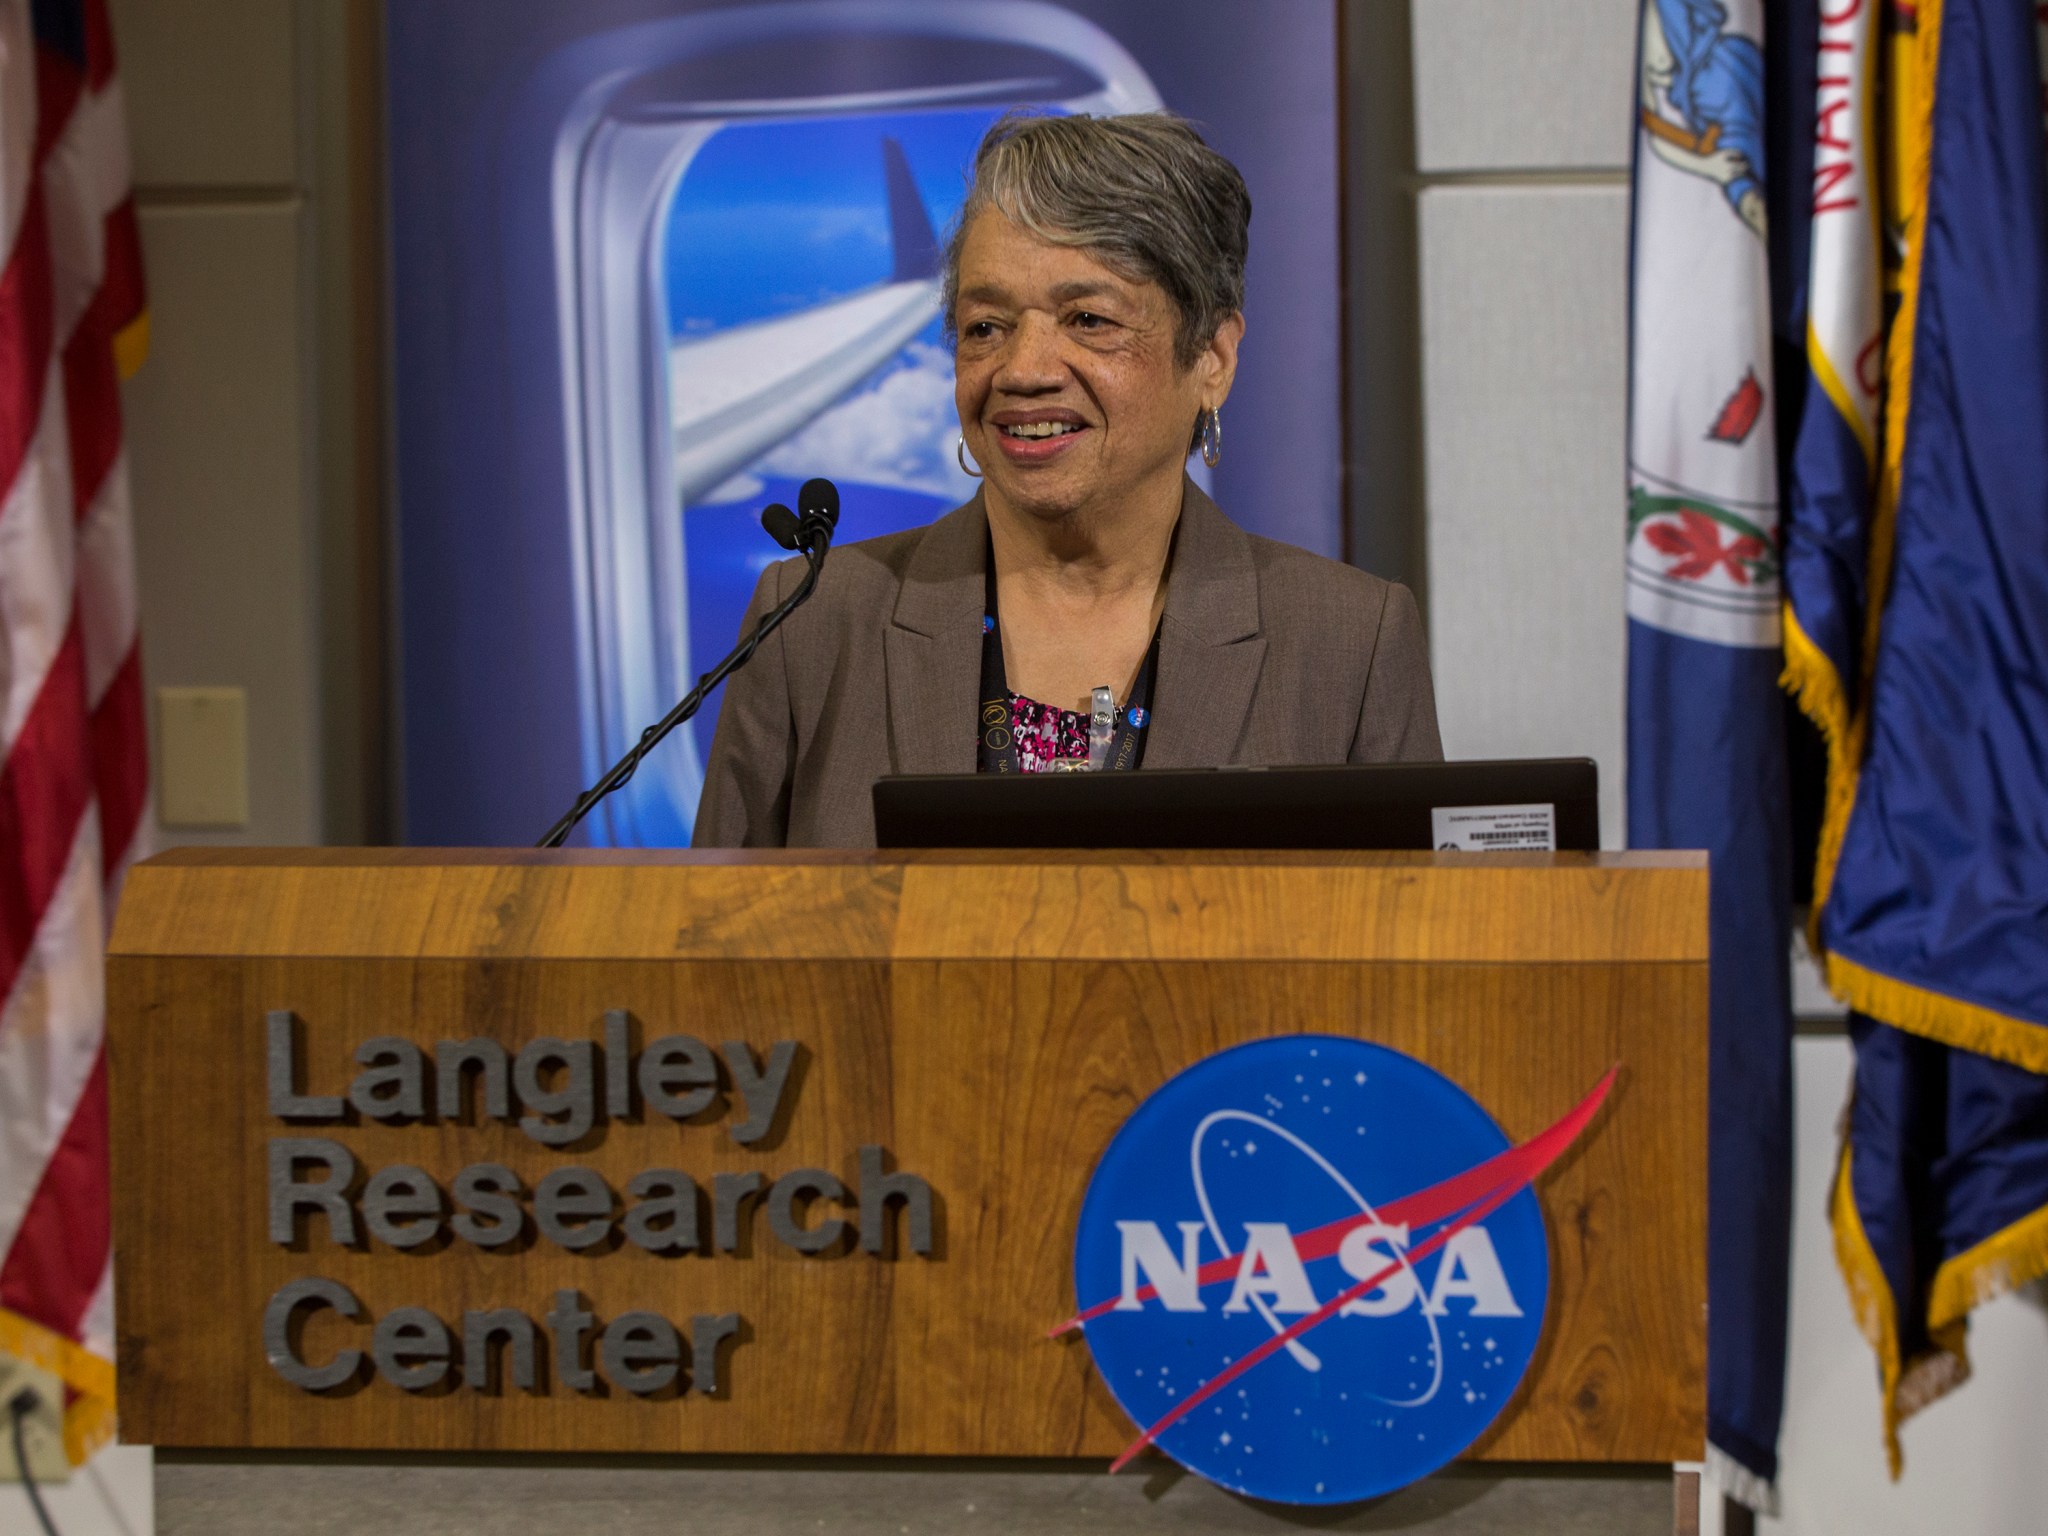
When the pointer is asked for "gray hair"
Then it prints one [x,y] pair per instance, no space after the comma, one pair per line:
[1141,193]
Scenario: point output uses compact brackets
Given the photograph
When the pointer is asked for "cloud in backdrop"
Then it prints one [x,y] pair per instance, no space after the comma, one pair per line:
[898,430]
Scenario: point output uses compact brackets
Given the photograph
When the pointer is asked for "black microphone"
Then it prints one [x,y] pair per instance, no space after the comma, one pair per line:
[782,525]
[809,530]
[817,507]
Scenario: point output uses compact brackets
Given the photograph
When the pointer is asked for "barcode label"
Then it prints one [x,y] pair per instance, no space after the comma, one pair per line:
[1494,827]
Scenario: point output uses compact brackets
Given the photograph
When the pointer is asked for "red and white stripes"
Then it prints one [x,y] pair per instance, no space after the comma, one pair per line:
[73,764]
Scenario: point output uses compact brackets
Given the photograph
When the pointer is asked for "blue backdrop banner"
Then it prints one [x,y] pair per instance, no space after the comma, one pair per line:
[656,262]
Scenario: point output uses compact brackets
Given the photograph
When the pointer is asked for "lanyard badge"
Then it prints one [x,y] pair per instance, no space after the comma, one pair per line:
[1101,727]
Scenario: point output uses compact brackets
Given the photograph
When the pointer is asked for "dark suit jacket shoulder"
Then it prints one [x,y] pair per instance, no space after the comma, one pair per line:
[1268,655]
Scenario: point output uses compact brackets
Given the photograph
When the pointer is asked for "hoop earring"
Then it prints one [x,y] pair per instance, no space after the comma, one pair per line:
[960,454]
[1212,436]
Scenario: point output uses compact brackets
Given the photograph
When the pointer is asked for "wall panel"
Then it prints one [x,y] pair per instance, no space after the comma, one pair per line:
[211,92]
[1510,85]
[1524,327]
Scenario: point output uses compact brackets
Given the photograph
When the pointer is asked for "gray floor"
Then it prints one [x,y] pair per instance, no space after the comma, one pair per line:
[340,1496]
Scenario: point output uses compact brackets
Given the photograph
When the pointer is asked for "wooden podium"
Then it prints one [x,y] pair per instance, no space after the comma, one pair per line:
[982,1023]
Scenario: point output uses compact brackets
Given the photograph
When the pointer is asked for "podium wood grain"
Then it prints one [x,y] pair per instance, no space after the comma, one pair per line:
[991,1020]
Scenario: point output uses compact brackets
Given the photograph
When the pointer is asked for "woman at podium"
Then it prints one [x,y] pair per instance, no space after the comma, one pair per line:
[1090,608]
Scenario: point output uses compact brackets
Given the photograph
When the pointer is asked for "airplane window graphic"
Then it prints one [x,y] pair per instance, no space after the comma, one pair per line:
[748,205]
[799,268]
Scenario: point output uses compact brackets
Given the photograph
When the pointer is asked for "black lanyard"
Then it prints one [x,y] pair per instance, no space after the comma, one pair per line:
[997,751]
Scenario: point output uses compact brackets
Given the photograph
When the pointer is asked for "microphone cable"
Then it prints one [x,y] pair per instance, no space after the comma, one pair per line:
[19,1407]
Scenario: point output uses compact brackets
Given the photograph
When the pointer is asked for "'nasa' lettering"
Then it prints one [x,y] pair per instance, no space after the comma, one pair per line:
[1270,1270]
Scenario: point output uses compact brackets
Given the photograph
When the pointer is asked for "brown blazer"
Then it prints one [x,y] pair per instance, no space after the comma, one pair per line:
[1268,655]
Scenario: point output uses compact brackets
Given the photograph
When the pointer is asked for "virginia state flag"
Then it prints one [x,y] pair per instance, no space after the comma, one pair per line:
[1706,745]
[1916,636]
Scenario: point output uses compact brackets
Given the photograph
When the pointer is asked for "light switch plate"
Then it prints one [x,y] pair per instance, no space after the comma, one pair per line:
[202,757]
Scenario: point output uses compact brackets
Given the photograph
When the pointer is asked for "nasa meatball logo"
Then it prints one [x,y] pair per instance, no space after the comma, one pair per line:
[1312,1269]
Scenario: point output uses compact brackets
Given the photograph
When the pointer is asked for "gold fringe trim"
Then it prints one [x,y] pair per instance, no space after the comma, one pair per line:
[79,1368]
[89,1417]
[131,346]
[2003,1262]
[1915,150]
[1904,1389]
[1870,1301]
[1947,1019]
[88,1426]
[1810,677]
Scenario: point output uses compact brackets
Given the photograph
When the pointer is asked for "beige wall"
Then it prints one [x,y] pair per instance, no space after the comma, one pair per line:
[250,494]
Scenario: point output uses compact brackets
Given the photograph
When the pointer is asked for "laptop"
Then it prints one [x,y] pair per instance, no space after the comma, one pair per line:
[1527,804]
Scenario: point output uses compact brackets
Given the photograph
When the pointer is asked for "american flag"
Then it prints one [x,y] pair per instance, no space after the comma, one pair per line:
[73,767]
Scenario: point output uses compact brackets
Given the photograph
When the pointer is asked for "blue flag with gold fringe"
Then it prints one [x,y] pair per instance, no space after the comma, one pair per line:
[1916,587]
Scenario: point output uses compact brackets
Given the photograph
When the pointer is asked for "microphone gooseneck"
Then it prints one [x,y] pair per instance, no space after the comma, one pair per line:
[808,530]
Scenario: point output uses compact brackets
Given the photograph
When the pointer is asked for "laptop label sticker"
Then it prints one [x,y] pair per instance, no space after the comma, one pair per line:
[1494,828]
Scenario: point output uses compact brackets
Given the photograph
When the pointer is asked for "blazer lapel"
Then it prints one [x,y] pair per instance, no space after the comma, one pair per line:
[931,650]
[1210,648]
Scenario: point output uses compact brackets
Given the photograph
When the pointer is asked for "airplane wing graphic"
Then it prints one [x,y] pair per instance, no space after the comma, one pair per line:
[736,393]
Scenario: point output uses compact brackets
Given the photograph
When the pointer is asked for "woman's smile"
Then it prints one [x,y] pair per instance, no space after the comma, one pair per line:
[1037,437]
